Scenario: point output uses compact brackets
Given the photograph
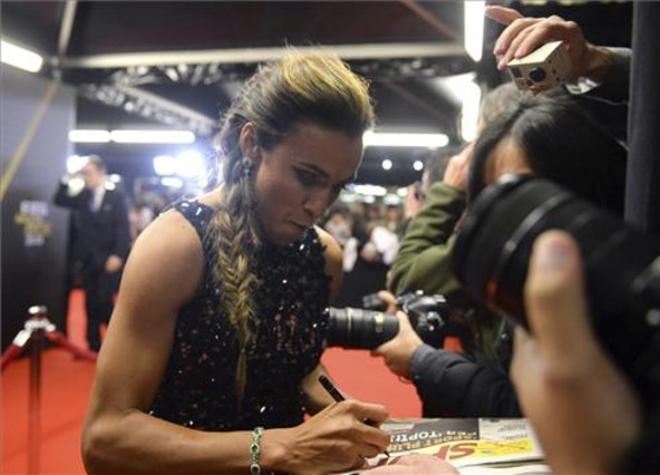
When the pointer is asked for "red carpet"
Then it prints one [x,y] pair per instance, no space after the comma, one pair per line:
[66,383]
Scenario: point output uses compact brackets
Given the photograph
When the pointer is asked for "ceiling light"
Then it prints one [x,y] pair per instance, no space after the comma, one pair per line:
[20,57]
[387,164]
[380,139]
[474,28]
[152,136]
[418,165]
[89,136]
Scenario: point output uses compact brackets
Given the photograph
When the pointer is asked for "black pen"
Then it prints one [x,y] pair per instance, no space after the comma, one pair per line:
[337,396]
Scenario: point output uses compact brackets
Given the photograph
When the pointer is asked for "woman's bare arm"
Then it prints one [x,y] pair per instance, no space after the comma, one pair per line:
[163,272]
[317,397]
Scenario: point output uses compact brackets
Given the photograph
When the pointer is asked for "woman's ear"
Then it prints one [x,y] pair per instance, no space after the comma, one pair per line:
[247,141]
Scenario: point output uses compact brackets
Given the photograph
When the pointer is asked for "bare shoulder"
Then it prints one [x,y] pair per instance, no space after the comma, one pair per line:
[333,259]
[332,250]
[168,254]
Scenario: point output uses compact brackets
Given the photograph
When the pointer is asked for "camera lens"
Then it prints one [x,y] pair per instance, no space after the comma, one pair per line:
[537,74]
[360,329]
[622,267]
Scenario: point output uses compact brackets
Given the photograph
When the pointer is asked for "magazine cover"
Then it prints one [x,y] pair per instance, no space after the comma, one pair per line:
[508,446]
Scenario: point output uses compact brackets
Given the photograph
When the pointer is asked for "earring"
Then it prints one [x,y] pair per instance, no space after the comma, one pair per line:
[246,165]
[242,168]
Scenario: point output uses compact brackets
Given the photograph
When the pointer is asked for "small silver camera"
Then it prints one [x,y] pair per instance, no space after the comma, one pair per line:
[547,67]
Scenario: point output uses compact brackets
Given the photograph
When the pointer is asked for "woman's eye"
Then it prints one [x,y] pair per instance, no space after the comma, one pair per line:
[306,178]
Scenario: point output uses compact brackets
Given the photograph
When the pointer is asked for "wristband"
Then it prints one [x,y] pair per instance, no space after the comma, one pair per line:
[255,450]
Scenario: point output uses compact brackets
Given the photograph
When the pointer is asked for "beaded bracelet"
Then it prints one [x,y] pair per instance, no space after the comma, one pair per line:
[255,450]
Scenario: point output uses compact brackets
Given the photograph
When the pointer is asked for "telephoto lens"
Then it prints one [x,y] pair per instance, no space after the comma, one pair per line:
[359,329]
[621,264]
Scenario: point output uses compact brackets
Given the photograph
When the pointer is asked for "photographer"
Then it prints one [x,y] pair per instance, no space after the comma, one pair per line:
[544,136]
[582,409]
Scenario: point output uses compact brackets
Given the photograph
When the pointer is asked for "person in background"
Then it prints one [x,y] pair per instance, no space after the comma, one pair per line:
[423,259]
[340,226]
[140,216]
[213,355]
[101,241]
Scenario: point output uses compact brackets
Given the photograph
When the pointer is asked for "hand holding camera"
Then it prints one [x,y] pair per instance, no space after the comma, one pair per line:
[366,329]
[560,373]
[523,48]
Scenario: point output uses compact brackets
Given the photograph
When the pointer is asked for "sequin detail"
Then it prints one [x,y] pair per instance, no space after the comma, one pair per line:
[199,384]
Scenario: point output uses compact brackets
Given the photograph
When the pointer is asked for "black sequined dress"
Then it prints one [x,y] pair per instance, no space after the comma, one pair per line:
[198,389]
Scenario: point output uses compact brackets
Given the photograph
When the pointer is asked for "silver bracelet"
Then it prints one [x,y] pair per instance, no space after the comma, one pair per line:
[255,450]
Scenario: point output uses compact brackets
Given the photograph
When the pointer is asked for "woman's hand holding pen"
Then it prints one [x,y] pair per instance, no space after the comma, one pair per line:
[335,439]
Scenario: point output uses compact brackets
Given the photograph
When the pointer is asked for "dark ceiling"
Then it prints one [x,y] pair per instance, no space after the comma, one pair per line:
[180,63]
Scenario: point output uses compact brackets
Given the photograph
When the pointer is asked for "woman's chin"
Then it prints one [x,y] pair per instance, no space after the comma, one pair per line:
[286,236]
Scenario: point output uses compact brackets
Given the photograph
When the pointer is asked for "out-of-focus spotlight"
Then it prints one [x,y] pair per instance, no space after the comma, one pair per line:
[386,164]
[152,136]
[418,165]
[89,136]
[171,181]
[74,163]
[165,165]
[20,57]
[114,178]
[190,164]
[384,139]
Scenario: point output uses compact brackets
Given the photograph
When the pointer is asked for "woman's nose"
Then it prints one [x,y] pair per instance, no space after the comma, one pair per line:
[316,204]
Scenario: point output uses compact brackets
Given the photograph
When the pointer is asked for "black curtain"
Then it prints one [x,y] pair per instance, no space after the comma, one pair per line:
[643,178]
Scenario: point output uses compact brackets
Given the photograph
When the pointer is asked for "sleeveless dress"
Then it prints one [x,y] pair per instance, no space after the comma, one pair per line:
[198,388]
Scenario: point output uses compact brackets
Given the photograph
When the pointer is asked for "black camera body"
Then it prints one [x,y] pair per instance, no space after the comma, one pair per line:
[355,328]
[428,315]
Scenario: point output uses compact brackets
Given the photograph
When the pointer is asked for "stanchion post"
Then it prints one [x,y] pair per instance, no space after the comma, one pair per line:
[38,322]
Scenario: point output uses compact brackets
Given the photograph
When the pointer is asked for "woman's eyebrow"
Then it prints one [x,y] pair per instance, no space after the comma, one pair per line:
[325,176]
[316,169]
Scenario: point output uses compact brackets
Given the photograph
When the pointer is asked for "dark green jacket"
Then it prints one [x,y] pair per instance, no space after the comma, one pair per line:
[449,384]
[423,262]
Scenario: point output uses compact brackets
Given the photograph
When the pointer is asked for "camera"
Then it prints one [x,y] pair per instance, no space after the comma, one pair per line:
[356,328]
[547,67]
[622,267]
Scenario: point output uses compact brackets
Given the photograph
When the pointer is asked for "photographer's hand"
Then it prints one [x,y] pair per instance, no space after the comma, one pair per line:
[581,407]
[523,35]
[390,300]
[457,168]
[398,352]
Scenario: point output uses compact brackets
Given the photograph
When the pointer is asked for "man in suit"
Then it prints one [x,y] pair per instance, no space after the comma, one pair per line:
[101,243]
